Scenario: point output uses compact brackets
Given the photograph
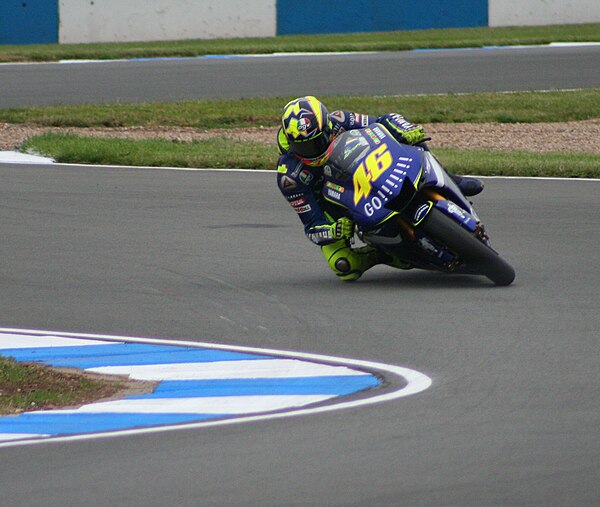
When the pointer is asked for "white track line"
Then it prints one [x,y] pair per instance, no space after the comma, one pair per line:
[272,171]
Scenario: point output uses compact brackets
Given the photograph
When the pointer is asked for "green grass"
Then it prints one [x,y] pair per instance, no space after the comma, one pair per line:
[218,153]
[384,41]
[521,107]
[33,387]
[520,163]
[214,153]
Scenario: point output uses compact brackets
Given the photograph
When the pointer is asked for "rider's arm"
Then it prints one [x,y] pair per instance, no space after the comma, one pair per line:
[402,130]
[348,120]
[297,183]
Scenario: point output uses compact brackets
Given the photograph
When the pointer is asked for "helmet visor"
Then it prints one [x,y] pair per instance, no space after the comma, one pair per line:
[312,148]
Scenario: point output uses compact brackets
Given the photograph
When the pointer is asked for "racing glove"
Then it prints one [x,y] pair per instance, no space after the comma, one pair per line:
[403,130]
[342,228]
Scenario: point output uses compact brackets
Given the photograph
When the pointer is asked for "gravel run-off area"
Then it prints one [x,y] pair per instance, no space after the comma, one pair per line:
[578,136]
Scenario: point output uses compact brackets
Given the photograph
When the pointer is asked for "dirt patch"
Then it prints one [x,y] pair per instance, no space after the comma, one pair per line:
[40,387]
[580,136]
[576,136]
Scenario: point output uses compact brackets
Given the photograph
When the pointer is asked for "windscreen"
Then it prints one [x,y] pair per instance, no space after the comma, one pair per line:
[349,150]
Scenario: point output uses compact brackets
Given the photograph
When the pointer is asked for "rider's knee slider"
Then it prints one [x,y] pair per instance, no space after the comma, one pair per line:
[343,261]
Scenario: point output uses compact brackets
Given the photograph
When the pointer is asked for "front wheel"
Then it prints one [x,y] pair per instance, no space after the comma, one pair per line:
[476,255]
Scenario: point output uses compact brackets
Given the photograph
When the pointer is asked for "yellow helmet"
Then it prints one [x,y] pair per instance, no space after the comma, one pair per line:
[308,129]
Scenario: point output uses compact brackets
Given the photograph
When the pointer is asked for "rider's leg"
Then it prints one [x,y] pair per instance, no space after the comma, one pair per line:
[347,263]
[350,263]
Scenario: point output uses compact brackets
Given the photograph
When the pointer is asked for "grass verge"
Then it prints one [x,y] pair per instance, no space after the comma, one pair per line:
[381,41]
[27,386]
[521,163]
[217,153]
[522,107]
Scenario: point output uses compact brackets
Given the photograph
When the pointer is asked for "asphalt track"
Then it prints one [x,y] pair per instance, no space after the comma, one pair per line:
[512,416]
[537,68]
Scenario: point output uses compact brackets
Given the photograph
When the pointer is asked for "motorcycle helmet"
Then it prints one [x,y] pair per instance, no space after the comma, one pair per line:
[308,129]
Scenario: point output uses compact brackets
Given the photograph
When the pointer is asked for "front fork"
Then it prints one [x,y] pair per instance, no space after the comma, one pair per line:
[431,198]
[409,221]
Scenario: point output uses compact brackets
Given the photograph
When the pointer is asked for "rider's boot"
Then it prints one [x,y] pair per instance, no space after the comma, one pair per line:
[467,185]
[394,262]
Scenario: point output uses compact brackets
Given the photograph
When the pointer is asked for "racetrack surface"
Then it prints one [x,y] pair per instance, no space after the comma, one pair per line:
[512,415]
[388,73]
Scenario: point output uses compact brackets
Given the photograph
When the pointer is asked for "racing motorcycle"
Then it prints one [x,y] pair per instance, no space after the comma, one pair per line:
[404,203]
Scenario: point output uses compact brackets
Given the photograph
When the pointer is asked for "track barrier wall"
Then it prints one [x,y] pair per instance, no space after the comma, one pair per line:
[85,21]
[28,22]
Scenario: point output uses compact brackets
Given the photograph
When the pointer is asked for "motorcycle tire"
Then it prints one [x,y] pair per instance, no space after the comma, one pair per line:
[477,256]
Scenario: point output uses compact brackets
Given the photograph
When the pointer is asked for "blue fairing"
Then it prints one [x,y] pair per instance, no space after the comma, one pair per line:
[435,176]
[457,207]
[374,177]
[455,212]
[367,170]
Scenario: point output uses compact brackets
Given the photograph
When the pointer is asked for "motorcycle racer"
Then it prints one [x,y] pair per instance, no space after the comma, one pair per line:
[305,139]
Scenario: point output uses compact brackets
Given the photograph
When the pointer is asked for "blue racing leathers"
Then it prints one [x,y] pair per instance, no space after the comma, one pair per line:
[301,184]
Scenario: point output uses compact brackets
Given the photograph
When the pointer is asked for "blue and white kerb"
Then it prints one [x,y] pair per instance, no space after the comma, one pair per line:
[196,383]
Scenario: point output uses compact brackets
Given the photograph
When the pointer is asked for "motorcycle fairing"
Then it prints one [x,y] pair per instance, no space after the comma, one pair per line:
[435,176]
[455,204]
[367,171]
[449,208]
[455,212]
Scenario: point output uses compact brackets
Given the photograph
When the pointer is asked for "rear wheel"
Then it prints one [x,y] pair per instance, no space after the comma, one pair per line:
[476,255]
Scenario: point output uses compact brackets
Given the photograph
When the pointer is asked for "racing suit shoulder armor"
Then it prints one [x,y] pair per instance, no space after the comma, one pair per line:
[293,176]
[348,120]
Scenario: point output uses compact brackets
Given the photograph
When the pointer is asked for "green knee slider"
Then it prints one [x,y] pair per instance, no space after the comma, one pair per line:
[347,264]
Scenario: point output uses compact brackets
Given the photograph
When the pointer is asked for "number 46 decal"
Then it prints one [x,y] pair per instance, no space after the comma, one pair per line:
[374,165]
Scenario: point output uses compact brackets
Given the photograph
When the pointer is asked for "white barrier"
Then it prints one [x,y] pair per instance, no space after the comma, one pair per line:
[146,20]
[543,12]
